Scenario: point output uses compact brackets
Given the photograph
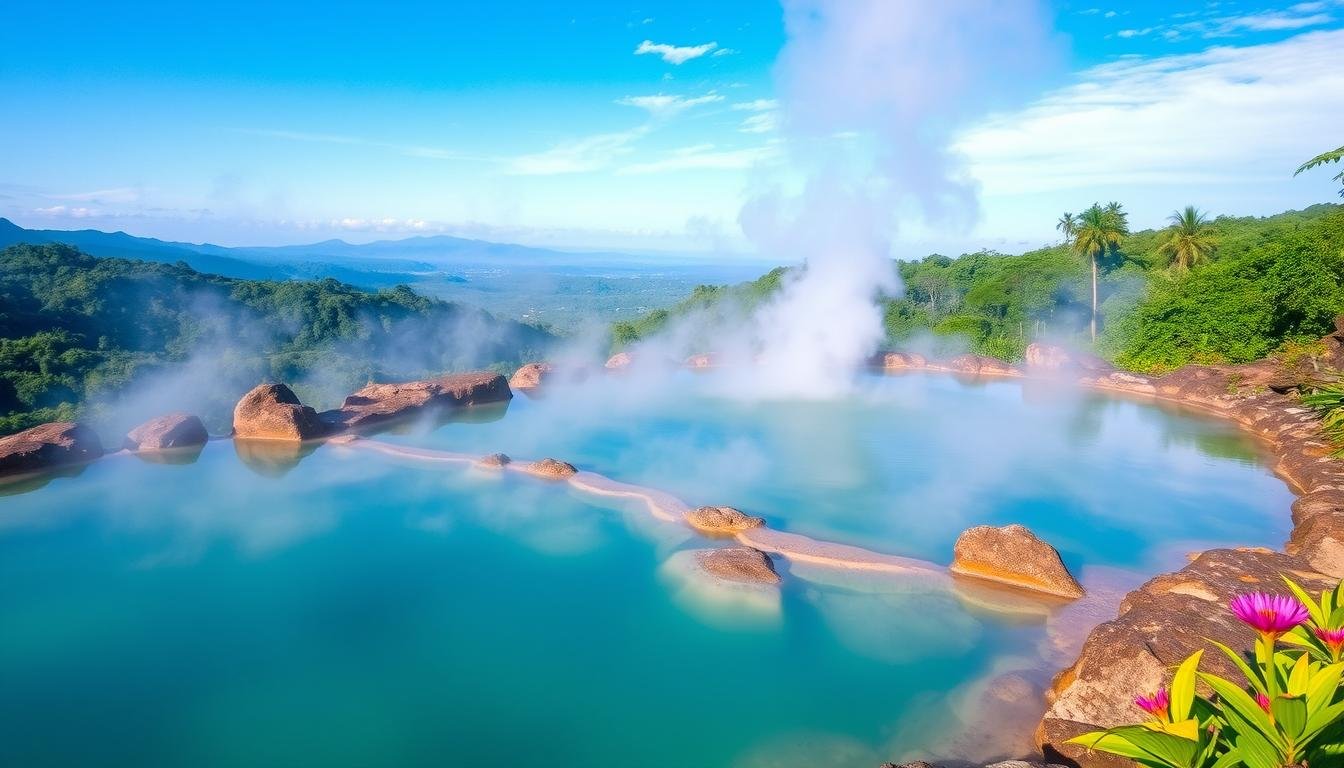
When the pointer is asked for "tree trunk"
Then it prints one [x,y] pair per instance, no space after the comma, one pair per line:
[1094,298]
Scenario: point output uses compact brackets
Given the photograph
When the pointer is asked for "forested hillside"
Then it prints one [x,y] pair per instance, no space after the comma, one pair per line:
[1221,290]
[75,330]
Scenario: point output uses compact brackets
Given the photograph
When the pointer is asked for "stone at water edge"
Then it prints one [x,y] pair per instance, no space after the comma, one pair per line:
[738,564]
[1013,555]
[377,405]
[531,376]
[172,430]
[722,520]
[59,443]
[980,365]
[273,412]
[494,461]
[900,361]
[552,468]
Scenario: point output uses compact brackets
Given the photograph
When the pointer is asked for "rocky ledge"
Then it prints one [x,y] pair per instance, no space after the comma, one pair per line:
[742,565]
[1013,555]
[377,404]
[46,446]
[167,432]
[724,520]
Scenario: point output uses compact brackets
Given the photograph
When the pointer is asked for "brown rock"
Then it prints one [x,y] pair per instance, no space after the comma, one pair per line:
[1160,624]
[273,412]
[980,365]
[552,468]
[1013,555]
[739,564]
[1049,357]
[701,361]
[494,461]
[59,443]
[530,376]
[379,404]
[722,520]
[903,361]
[620,360]
[174,430]
[1319,541]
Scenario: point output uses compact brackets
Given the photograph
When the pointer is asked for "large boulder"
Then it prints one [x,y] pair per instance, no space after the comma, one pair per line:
[980,365]
[743,565]
[273,412]
[902,361]
[1013,555]
[378,404]
[619,361]
[1160,624]
[553,469]
[530,376]
[173,430]
[46,446]
[727,520]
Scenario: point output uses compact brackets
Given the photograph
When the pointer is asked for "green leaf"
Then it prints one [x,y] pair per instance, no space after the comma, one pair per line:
[1172,750]
[1256,751]
[1252,676]
[1299,676]
[1317,615]
[1290,714]
[1106,741]
[1183,687]
[1239,701]
[1322,687]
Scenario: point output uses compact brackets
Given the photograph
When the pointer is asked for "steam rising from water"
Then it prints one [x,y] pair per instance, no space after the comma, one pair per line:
[871,92]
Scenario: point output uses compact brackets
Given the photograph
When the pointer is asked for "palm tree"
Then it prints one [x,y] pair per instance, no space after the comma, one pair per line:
[1188,241]
[1067,224]
[1099,230]
[1333,156]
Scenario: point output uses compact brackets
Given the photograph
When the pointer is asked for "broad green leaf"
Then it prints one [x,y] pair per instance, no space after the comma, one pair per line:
[1105,741]
[1255,749]
[1253,677]
[1173,750]
[1290,714]
[1299,676]
[1232,696]
[1183,687]
[1317,614]
[1322,719]
[1321,689]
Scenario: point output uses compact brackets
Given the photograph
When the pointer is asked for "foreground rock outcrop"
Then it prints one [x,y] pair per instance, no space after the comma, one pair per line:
[1160,624]
[379,404]
[530,376]
[47,446]
[167,432]
[725,520]
[273,412]
[1013,555]
[742,565]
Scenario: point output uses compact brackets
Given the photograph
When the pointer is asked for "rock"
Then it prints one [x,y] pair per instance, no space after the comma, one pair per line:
[1050,357]
[1013,555]
[552,468]
[1319,541]
[273,412]
[57,444]
[174,430]
[722,520]
[980,365]
[530,376]
[1160,624]
[738,564]
[903,361]
[699,362]
[494,461]
[620,360]
[379,404]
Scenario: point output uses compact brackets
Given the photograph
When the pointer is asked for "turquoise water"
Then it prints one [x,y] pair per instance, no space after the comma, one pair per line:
[352,610]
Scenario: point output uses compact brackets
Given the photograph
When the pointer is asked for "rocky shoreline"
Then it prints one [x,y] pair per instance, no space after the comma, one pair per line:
[1158,624]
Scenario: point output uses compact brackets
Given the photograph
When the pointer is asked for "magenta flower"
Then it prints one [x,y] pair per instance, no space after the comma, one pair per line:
[1263,701]
[1156,704]
[1333,639]
[1270,615]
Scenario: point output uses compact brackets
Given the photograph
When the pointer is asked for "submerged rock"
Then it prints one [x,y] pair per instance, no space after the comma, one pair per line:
[173,430]
[722,519]
[378,404]
[273,412]
[1160,624]
[494,461]
[1013,555]
[738,564]
[531,376]
[552,468]
[57,444]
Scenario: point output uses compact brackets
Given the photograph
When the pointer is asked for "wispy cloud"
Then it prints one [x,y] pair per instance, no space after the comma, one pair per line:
[705,157]
[762,122]
[409,150]
[591,153]
[663,105]
[759,105]
[1184,119]
[675,54]
[114,195]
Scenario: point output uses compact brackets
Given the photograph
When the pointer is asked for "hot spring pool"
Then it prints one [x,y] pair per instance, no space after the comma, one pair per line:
[357,610]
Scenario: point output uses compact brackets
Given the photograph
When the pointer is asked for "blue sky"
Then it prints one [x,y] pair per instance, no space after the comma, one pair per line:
[643,127]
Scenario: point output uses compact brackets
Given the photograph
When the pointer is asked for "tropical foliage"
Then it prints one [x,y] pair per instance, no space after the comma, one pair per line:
[1188,240]
[1325,158]
[1288,711]
[75,330]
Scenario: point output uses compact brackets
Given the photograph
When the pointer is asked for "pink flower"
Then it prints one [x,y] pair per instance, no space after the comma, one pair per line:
[1270,615]
[1262,700]
[1333,639]
[1156,704]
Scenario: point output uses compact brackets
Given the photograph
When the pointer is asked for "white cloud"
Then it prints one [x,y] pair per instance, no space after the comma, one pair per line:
[705,157]
[664,105]
[66,212]
[759,105]
[591,153]
[115,195]
[1234,115]
[762,122]
[675,54]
